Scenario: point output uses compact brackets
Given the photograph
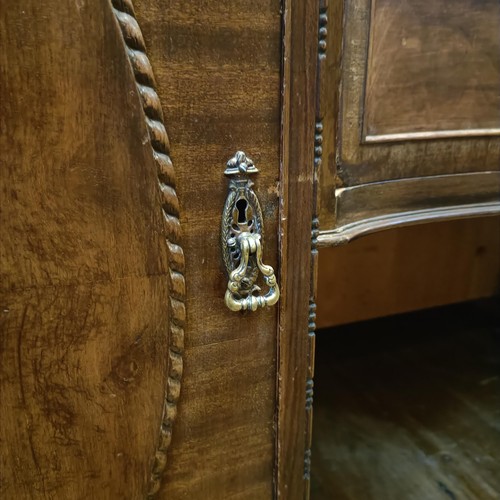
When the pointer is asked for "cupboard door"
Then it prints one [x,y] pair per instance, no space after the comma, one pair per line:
[217,64]
[91,270]
[414,131]
[93,293]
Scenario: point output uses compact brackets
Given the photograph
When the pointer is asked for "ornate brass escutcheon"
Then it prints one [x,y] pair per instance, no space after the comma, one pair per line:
[242,240]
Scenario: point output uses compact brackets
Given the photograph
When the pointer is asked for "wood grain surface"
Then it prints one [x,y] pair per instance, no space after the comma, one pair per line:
[328,104]
[407,407]
[399,198]
[410,268]
[368,208]
[434,38]
[432,70]
[217,66]
[298,253]
[84,266]
[361,164]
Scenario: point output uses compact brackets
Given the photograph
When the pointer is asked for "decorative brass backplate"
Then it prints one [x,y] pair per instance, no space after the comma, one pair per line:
[242,239]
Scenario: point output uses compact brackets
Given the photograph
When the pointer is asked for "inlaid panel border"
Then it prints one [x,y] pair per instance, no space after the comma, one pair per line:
[355,157]
[367,138]
[431,134]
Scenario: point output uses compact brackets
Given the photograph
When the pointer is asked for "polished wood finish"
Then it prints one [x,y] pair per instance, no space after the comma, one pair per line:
[217,66]
[410,268]
[361,164]
[433,70]
[372,83]
[407,407]
[328,104]
[371,207]
[93,287]
[298,257]
[85,265]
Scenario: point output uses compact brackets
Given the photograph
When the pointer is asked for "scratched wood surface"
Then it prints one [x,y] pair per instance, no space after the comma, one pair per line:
[217,65]
[84,321]
[407,407]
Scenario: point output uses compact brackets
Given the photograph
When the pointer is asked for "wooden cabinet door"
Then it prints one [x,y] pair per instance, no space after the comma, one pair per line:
[100,314]
[409,113]
[92,286]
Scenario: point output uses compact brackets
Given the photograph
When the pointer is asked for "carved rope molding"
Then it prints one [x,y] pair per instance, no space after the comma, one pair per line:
[141,66]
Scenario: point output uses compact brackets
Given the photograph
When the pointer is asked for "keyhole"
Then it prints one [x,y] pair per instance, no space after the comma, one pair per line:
[241,206]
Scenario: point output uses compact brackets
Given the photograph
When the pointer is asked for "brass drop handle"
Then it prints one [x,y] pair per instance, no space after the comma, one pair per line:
[242,235]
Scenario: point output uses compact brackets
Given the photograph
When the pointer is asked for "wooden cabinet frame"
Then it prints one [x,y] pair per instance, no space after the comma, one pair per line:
[323,82]
[298,252]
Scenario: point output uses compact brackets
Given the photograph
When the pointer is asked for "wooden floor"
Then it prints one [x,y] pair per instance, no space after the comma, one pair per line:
[408,407]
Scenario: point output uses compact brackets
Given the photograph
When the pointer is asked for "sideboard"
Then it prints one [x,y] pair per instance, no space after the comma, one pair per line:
[142,354]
